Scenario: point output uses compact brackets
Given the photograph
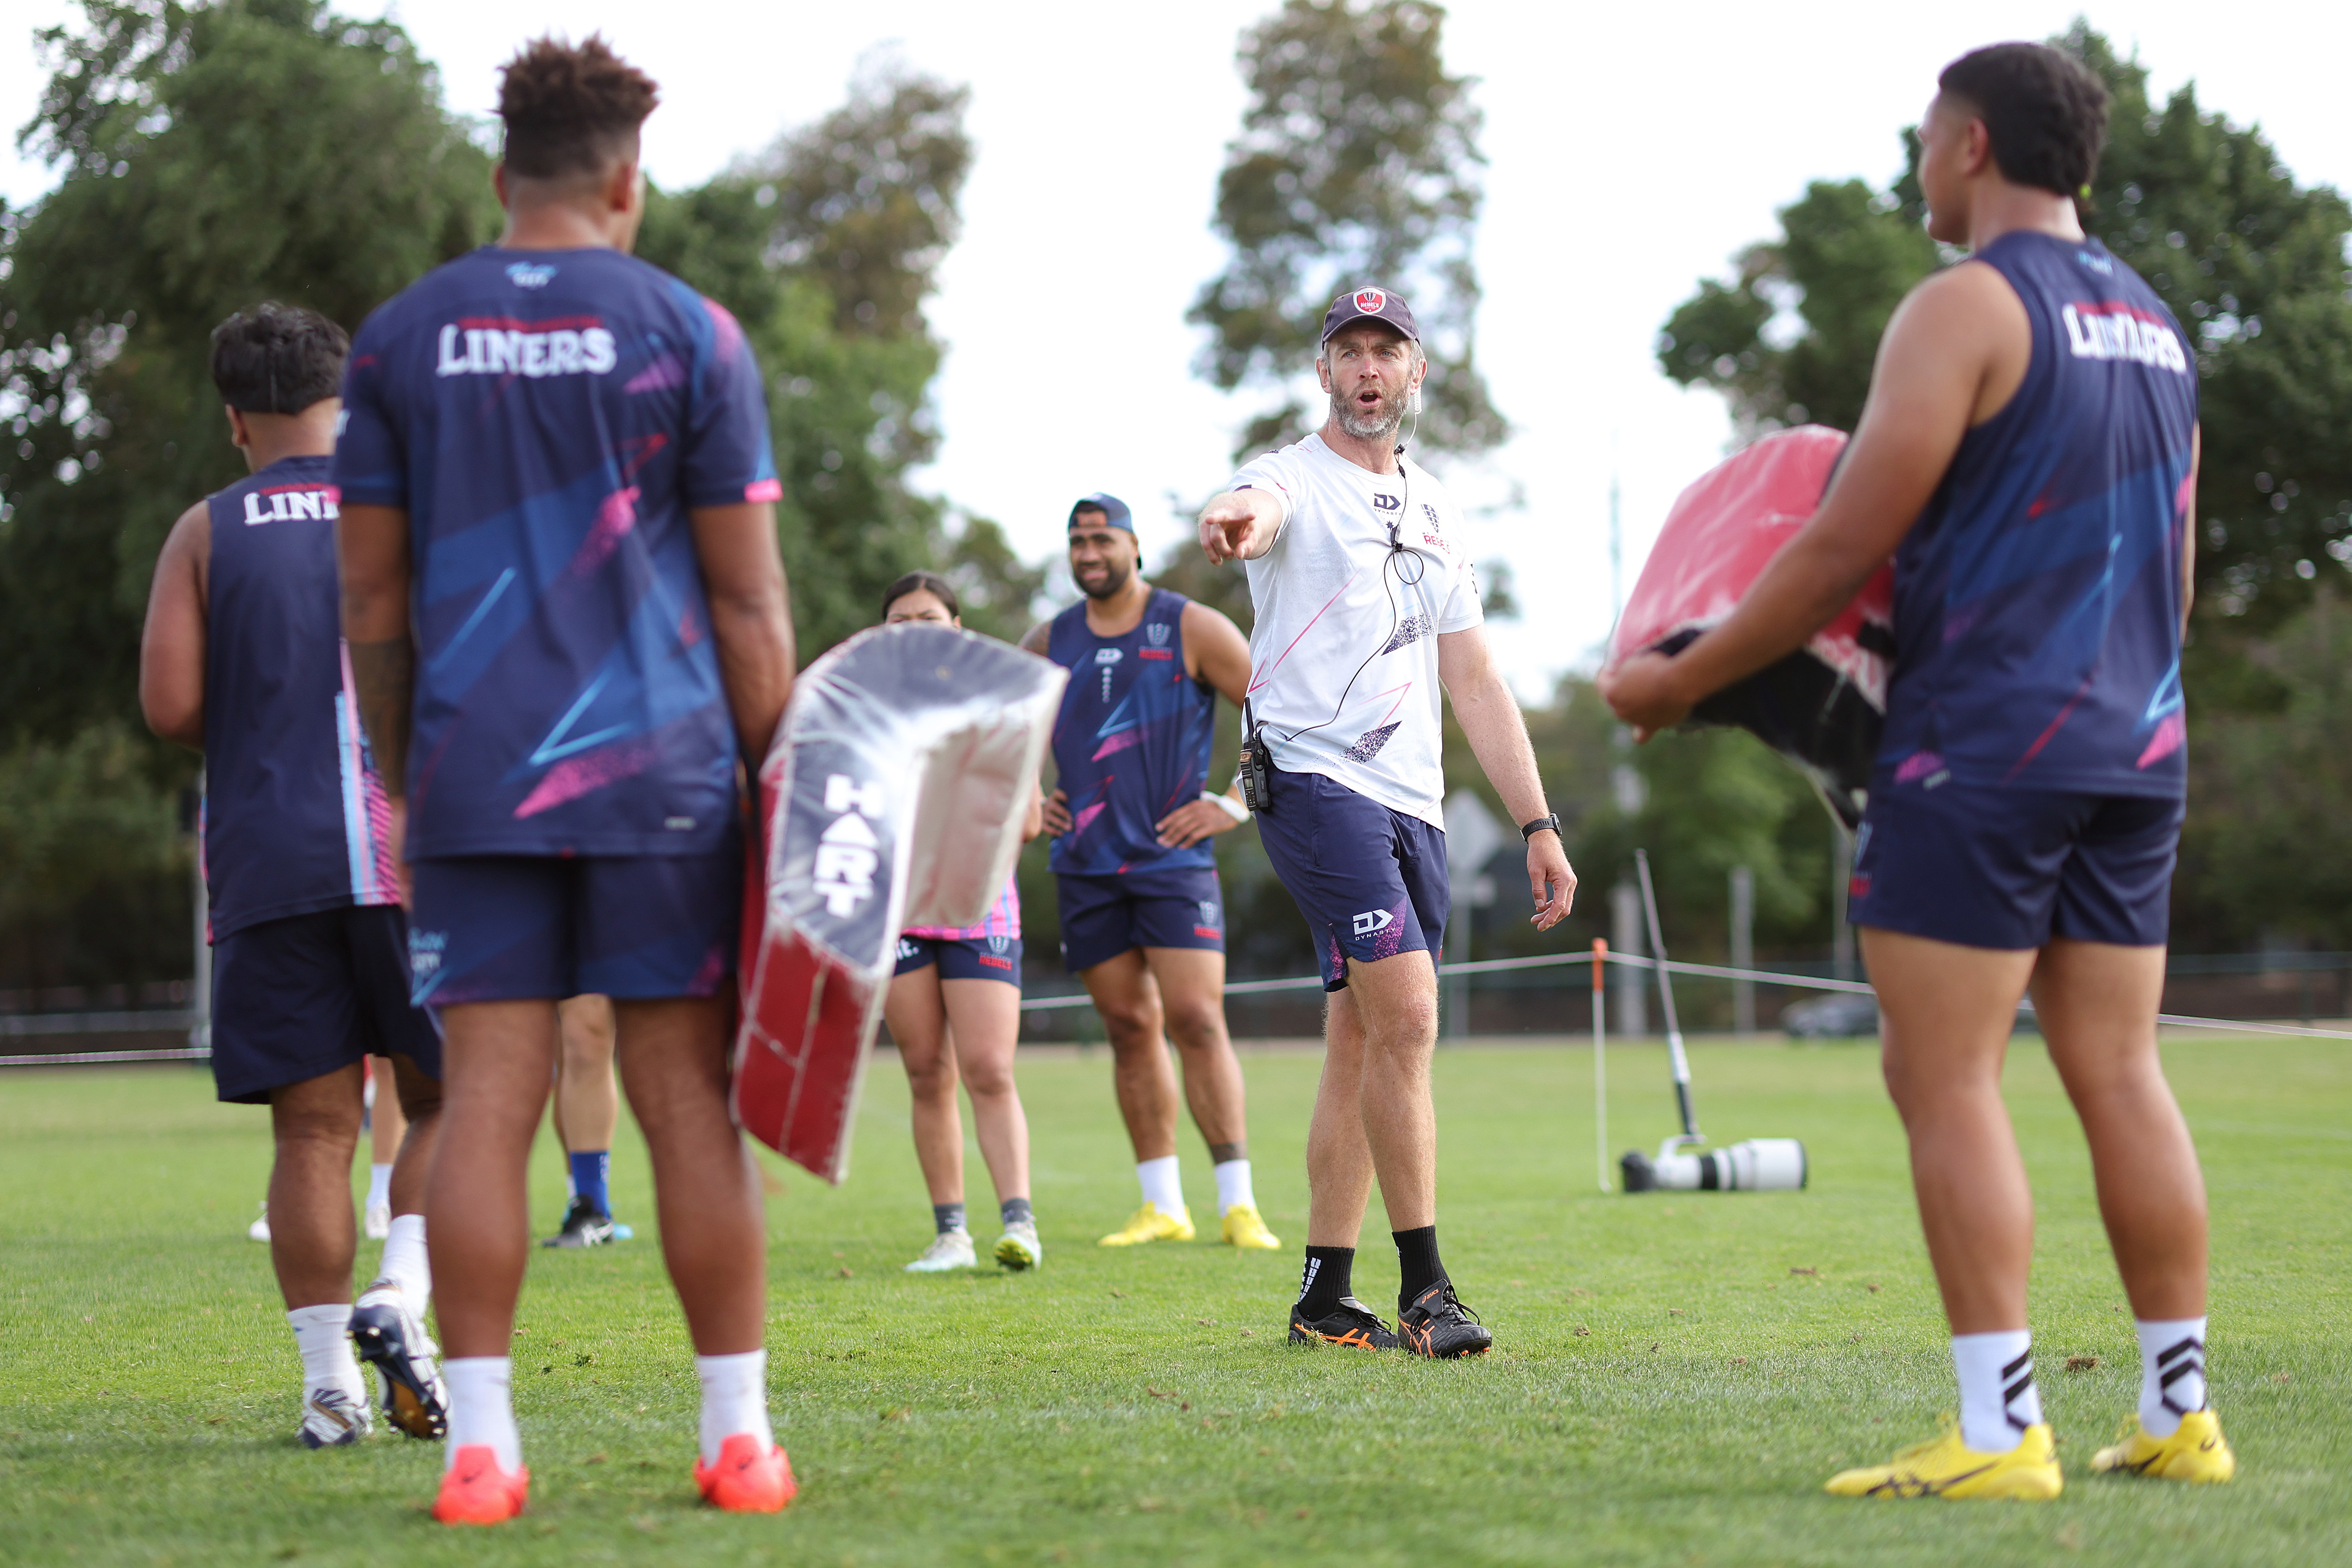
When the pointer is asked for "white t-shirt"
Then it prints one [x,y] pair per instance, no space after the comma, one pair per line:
[1343,659]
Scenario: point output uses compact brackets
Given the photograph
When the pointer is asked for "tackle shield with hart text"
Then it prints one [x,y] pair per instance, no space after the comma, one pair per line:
[893,797]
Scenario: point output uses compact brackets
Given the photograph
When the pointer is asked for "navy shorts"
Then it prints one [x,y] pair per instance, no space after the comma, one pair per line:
[962,957]
[298,998]
[1103,917]
[2009,868]
[510,928]
[1370,881]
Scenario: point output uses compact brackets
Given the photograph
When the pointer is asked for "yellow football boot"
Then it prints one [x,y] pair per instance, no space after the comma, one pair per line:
[1945,1467]
[2196,1452]
[1246,1227]
[1149,1224]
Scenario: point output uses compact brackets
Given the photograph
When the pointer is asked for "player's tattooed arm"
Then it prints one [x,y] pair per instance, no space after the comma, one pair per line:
[750,617]
[371,554]
[172,647]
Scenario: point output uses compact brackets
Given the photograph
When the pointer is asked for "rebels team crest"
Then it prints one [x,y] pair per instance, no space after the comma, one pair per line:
[1157,634]
[1371,302]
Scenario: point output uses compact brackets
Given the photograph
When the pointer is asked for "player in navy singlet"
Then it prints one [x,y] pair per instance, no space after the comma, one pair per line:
[1143,919]
[2029,456]
[243,660]
[555,467]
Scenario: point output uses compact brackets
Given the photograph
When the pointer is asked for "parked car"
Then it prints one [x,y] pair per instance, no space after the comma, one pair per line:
[1850,1014]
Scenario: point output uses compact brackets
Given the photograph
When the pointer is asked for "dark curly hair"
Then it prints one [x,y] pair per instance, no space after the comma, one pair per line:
[571,109]
[277,359]
[2043,110]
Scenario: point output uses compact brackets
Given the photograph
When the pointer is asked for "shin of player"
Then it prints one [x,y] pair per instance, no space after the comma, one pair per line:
[243,661]
[954,1010]
[1367,606]
[586,1111]
[1132,816]
[2034,410]
[558,455]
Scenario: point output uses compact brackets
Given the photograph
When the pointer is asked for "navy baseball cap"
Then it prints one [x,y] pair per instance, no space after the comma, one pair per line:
[1114,509]
[1356,304]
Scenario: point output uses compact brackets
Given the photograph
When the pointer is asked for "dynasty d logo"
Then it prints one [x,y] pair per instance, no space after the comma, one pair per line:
[848,851]
[1373,921]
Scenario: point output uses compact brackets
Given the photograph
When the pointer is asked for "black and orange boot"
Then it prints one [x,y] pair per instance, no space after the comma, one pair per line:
[1436,1324]
[1352,1323]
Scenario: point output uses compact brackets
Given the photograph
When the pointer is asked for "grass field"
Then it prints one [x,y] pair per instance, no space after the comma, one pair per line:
[1675,1374]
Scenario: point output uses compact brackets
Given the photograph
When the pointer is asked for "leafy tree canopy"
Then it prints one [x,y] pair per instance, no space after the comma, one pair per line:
[1358,163]
[2252,263]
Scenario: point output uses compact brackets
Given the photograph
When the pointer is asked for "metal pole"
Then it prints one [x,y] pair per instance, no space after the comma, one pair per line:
[1601,1061]
[1675,1053]
[1842,878]
[1625,936]
[1743,948]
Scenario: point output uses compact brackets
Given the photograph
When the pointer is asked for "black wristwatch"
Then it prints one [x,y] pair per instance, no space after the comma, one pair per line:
[1530,829]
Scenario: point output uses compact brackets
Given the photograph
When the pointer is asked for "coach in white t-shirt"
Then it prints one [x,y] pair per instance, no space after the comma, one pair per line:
[1367,604]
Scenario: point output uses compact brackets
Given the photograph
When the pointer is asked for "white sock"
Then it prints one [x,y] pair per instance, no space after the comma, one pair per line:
[379,1186]
[734,1399]
[2171,1372]
[404,1263]
[1234,1185]
[481,1408]
[1998,1399]
[323,1336]
[1161,1189]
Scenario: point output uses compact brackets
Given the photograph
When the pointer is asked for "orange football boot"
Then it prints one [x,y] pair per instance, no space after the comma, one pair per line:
[473,1490]
[746,1480]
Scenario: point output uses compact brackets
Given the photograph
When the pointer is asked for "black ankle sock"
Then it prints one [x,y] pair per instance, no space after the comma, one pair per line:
[1015,1210]
[947,1217]
[1417,1264]
[1324,1279]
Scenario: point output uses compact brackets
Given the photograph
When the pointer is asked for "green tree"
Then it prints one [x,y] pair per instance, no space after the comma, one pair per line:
[2251,262]
[1358,163]
[211,157]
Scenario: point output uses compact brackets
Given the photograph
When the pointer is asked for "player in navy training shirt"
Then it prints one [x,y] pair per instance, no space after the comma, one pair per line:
[555,465]
[243,660]
[2029,456]
[1143,921]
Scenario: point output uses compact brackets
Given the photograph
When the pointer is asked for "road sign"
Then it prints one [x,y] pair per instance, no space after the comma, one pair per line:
[1471,837]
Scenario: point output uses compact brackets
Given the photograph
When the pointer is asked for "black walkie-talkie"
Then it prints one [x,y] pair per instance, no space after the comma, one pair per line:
[1255,768]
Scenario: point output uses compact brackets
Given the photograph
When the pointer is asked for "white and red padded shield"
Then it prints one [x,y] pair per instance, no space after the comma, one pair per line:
[893,797]
[1821,707]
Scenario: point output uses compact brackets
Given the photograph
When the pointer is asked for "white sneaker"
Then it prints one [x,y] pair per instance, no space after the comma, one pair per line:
[259,1229]
[948,1250]
[379,1221]
[331,1417]
[1018,1247]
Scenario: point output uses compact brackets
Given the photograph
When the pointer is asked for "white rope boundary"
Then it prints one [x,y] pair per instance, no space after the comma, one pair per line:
[109,1022]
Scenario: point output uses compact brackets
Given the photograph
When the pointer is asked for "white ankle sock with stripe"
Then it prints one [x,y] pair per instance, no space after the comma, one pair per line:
[322,1335]
[1161,1188]
[481,1408]
[1234,1185]
[405,1263]
[2171,1372]
[1998,1399]
[734,1399]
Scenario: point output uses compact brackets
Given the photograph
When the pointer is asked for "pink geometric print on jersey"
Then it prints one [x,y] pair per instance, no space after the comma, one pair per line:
[2171,734]
[1256,680]
[1118,742]
[1918,765]
[1078,824]
[615,517]
[1003,920]
[367,810]
[575,776]
[665,371]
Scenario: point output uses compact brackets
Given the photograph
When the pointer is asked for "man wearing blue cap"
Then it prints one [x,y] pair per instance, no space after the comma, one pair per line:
[1142,913]
[1367,604]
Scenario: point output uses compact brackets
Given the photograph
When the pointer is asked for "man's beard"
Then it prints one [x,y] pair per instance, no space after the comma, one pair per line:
[1113,581]
[1387,415]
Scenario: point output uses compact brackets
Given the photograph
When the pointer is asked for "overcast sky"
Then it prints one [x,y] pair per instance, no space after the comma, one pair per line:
[1631,151]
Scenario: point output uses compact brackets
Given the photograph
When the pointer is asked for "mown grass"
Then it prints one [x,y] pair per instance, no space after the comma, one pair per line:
[1675,1375]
